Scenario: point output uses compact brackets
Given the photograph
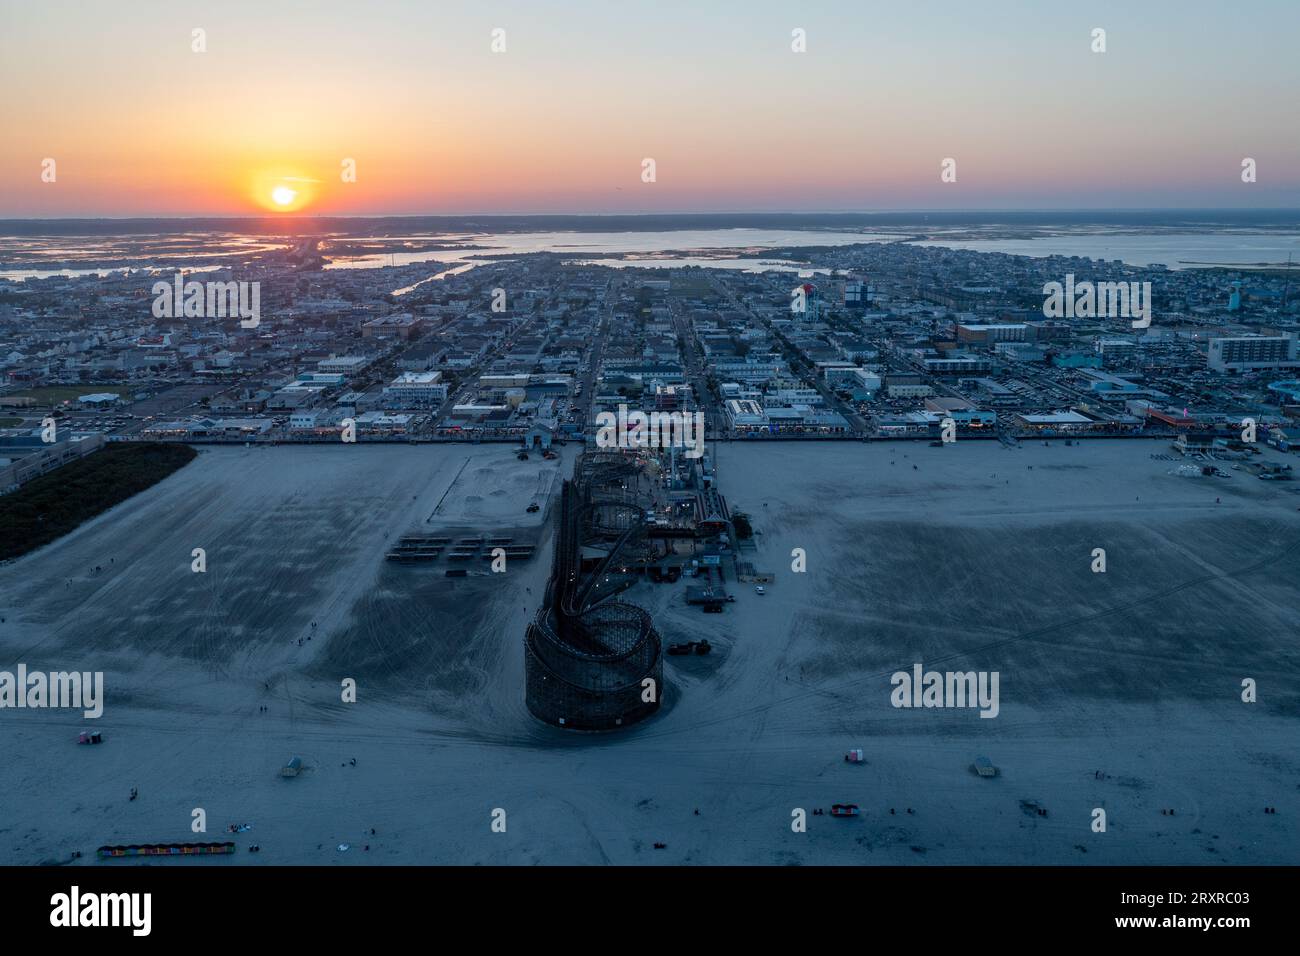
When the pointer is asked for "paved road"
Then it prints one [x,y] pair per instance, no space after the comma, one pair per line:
[806,371]
[582,404]
[696,376]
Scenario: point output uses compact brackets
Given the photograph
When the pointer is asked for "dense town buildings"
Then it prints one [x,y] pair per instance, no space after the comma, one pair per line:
[878,341]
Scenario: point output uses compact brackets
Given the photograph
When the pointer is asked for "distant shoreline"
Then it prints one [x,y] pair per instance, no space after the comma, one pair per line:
[921,220]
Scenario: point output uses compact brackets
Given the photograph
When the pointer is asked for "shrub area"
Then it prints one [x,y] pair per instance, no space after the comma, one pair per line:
[48,507]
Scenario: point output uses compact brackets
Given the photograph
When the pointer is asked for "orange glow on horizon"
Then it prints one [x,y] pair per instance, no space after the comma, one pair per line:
[283,190]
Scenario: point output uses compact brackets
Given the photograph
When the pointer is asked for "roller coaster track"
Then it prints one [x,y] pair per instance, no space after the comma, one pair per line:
[579,638]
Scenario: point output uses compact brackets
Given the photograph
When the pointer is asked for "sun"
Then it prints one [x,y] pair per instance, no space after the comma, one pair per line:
[284,188]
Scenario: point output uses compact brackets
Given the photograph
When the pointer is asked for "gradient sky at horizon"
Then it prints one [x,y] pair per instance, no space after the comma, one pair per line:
[438,124]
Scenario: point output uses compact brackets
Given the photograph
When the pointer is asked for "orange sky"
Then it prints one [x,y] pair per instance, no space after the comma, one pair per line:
[140,124]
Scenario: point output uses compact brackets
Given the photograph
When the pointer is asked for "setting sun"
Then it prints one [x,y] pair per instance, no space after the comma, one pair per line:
[285,187]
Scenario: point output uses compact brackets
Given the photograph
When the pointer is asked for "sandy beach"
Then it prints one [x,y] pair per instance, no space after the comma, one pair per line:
[1119,690]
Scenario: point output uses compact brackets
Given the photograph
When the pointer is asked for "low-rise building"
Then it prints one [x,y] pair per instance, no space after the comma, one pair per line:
[26,456]
[342,364]
[417,390]
[1251,352]
[394,326]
